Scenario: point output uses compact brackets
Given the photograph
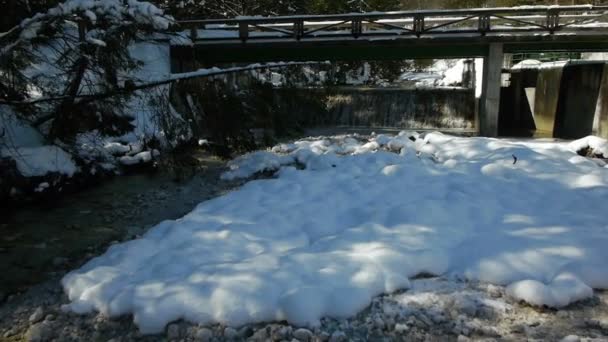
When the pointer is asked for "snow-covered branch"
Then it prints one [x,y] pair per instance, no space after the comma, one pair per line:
[127,89]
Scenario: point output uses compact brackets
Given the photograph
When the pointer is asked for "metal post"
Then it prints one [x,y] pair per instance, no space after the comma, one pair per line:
[418,25]
[553,20]
[490,96]
[243,31]
[298,29]
[193,33]
[356,28]
[484,24]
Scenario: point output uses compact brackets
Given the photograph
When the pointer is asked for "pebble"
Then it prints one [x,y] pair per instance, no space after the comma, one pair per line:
[260,335]
[303,335]
[230,333]
[337,336]
[39,332]
[173,332]
[204,335]
[37,316]
[571,338]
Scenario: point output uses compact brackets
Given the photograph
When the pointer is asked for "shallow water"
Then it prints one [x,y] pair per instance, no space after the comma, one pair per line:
[40,240]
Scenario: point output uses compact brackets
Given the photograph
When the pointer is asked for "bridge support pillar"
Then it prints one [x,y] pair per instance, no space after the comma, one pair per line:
[490,93]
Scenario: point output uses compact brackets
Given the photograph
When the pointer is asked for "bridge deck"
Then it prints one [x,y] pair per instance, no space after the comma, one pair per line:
[394,35]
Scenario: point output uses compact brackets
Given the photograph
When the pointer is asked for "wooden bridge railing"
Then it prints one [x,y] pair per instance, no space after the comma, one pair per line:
[481,21]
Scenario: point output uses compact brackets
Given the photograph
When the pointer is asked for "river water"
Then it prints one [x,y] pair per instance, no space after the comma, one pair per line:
[45,239]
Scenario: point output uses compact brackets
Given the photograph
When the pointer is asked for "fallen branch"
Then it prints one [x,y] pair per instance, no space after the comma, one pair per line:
[129,88]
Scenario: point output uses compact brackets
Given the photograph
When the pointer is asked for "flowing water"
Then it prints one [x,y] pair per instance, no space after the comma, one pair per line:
[41,240]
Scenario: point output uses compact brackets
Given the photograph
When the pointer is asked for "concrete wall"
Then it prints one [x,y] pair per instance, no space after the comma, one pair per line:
[601,112]
[546,98]
[391,107]
[578,98]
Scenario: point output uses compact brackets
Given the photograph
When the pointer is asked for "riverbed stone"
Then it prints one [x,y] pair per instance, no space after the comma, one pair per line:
[37,316]
[203,335]
[303,335]
[39,332]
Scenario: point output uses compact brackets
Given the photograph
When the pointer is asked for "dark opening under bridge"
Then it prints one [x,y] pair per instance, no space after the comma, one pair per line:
[486,33]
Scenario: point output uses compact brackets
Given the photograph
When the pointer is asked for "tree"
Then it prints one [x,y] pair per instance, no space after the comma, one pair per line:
[77,47]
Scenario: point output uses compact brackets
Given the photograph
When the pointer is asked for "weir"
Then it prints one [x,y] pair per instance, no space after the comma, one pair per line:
[487,33]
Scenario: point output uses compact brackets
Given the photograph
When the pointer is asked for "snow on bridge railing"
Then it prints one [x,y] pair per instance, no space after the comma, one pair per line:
[480,21]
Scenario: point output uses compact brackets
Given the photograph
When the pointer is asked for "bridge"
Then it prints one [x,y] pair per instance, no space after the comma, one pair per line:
[486,33]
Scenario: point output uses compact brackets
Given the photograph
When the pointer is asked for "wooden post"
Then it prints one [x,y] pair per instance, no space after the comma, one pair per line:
[490,95]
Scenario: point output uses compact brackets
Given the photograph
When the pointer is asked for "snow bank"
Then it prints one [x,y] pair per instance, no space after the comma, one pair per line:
[356,220]
[38,161]
[598,146]
[563,290]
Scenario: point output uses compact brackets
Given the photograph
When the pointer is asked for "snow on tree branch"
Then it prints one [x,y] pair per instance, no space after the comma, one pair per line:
[114,12]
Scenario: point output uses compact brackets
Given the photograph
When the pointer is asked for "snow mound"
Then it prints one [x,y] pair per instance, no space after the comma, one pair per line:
[38,161]
[566,288]
[597,145]
[359,217]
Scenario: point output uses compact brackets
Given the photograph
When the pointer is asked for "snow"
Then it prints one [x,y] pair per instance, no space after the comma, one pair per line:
[598,146]
[345,219]
[566,288]
[38,161]
[139,158]
[527,64]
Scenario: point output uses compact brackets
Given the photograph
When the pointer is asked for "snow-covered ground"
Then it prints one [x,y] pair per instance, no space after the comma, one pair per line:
[348,218]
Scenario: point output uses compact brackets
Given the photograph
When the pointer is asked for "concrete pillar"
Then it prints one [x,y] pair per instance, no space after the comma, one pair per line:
[490,93]
[601,114]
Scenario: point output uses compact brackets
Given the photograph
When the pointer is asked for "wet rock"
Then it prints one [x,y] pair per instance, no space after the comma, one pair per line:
[203,335]
[303,335]
[39,332]
[37,316]
[570,338]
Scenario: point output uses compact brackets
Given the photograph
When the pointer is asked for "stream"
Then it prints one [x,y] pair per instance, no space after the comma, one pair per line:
[44,240]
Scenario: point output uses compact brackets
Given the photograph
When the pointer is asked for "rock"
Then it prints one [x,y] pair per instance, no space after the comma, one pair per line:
[494,291]
[466,306]
[570,338]
[401,328]
[303,335]
[173,332]
[49,317]
[462,338]
[379,323]
[260,335]
[324,336]
[204,335]
[9,333]
[39,332]
[337,336]
[230,333]
[282,333]
[37,316]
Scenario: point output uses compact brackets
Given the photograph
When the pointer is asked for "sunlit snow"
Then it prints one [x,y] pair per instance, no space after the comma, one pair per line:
[346,219]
